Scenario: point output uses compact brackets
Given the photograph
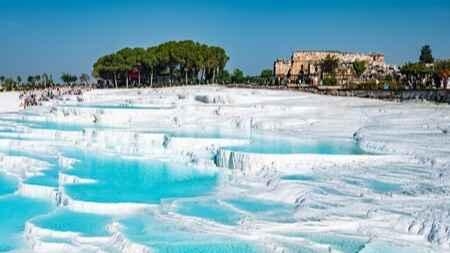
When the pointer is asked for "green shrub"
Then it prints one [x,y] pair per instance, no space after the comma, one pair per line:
[329,81]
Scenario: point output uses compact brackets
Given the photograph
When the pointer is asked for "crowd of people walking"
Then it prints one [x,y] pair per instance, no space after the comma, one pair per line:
[36,97]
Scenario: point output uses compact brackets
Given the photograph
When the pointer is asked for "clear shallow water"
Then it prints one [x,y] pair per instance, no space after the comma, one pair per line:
[344,244]
[15,211]
[119,106]
[168,237]
[50,178]
[295,248]
[299,177]
[385,247]
[68,221]
[377,186]
[329,191]
[204,132]
[265,210]
[136,181]
[23,120]
[283,146]
[188,191]
[211,210]
[8,184]
[383,187]
[49,175]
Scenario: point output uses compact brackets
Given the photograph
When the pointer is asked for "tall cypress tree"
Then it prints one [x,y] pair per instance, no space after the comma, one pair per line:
[426,55]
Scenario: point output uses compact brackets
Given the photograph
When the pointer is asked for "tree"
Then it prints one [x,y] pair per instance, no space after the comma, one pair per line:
[9,84]
[329,81]
[359,67]
[84,78]
[19,80]
[150,62]
[45,79]
[31,82]
[329,64]
[108,67]
[126,60]
[266,76]
[50,80]
[73,79]
[68,78]
[224,77]
[138,55]
[238,76]
[2,80]
[442,69]
[37,80]
[176,61]
[426,55]
[417,73]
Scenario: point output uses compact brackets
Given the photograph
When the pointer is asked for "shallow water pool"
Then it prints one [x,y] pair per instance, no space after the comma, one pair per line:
[166,236]
[341,243]
[264,209]
[299,177]
[190,209]
[8,184]
[374,185]
[43,124]
[284,146]
[386,247]
[136,181]
[123,106]
[211,210]
[15,211]
[68,221]
[48,176]
[383,187]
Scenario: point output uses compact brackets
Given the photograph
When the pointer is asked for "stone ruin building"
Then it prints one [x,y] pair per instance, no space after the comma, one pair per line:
[304,67]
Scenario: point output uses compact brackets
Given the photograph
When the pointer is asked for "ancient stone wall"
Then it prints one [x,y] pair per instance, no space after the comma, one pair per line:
[306,65]
[281,68]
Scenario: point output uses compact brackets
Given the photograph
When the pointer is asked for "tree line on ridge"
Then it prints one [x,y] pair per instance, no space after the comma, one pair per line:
[172,63]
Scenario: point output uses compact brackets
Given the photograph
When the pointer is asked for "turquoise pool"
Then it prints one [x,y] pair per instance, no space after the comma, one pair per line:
[49,176]
[286,146]
[299,177]
[341,243]
[69,221]
[377,186]
[211,210]
[190,209]
[8,184]
[168,237]
[123,106]
[15,211]
[136,181]
[265,209]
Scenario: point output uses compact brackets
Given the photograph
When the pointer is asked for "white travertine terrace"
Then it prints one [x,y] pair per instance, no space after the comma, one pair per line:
[347,194]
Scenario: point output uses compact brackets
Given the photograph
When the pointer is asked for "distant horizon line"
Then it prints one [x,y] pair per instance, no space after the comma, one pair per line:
[51,73]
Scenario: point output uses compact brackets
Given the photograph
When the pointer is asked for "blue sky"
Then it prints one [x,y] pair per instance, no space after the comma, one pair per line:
[53,36]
